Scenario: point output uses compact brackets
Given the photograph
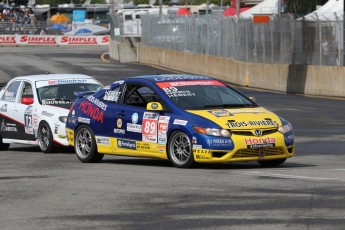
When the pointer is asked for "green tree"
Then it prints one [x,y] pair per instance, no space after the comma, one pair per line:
[137,2]
[303,6]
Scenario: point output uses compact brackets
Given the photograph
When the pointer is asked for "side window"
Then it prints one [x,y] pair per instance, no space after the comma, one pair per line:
[139,95]
[113,95]
[11,92]
[27,90]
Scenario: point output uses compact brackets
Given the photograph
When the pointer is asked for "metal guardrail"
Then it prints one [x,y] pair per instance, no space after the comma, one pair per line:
[282,40]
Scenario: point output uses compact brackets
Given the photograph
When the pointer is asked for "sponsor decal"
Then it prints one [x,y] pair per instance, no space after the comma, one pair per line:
[194,140]
[56,102]
[112,95]
[239,111]
[289,140]
[202,154]
[8,127]
[125,144]
[135,118]
[46,113]
[161,148]
[260,142]
[103,140]
[119,131]
[71,40]
[143,146]
[73,120]
[66,81]
[46,40]
[97,102]
[258,132]
[84,120]
[179,77]
[149,129]
[9,96]
[174,92]
[219,142]
[3,108]
[7,39]
[197,146]
[238,124]
[28,120]
[189,83]
[154,105]
[134,128]
[56,128]
[220,113]
[92,110]
[119,82]
[180,122]
[163,125]
[119,123]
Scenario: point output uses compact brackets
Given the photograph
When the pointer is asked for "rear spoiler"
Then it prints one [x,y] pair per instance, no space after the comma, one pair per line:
[83,94]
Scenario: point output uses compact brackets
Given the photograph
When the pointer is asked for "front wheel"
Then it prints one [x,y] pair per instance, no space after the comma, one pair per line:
[45,138]
[180,150]
[85,146]
[272,163]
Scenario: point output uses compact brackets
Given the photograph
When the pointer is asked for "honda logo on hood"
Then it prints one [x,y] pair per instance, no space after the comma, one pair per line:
[258,132]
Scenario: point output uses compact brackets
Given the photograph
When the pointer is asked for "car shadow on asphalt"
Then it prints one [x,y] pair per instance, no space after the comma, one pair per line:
[213,166]
[29,148]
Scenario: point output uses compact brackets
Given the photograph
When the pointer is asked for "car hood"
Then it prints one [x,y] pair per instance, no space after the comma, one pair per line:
[240,118]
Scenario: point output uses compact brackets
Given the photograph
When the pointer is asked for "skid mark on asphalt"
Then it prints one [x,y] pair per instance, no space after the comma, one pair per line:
[289,176]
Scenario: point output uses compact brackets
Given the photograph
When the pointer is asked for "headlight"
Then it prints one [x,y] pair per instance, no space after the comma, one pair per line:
[63,119]
[212,131]
[285,128]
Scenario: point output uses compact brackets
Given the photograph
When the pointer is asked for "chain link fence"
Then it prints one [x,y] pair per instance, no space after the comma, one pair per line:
[282,40]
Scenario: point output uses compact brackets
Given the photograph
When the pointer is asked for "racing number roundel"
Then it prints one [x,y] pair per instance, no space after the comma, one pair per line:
[149,128]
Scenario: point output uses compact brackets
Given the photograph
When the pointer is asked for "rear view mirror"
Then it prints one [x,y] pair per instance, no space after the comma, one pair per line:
[27,100]
[252,99]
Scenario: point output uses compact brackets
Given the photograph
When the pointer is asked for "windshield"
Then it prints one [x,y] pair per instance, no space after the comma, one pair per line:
[204,94]
[62,95]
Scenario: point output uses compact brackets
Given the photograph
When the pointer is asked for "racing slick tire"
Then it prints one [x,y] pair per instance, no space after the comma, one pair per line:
[180,151]
[272,163]
[85,145]
[3,146]
[45,138]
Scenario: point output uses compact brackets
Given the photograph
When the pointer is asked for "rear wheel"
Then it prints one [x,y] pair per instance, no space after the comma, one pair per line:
[272,163]
[180,150]
[85,146]
[45,138]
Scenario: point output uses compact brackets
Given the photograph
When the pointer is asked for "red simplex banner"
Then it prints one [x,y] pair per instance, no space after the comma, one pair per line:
[53,40]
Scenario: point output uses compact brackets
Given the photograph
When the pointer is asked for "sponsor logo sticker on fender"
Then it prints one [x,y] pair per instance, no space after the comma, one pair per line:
[180,122]
[103,140]
[149,129]
[220,113]
[125,144]
[260,142]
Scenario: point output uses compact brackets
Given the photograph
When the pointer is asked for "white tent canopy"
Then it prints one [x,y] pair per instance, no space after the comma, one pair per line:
[333,10]
[265,7]
[95,29]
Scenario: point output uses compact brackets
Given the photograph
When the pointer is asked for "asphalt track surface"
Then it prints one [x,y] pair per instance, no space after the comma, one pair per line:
[56,191]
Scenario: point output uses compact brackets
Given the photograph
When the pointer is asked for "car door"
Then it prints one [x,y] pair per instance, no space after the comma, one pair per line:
[141,125]
[23,112]
[9,123]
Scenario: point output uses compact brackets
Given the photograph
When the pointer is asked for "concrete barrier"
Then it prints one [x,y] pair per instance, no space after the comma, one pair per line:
[302,79]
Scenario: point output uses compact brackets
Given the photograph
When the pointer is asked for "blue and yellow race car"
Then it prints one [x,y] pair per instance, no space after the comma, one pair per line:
[182,118]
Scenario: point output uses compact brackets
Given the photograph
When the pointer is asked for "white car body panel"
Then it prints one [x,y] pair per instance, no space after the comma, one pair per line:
[19,122]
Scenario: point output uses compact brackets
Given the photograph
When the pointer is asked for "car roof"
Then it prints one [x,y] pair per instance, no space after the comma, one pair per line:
[45,77]
[172,77]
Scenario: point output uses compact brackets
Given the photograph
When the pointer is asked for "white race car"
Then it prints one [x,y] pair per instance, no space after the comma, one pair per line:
[34,109]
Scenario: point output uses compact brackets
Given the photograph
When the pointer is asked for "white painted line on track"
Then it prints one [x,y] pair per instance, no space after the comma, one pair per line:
[286,176]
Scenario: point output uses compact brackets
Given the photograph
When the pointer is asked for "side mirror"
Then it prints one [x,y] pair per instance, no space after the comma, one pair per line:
[154,106]
[252,98]
[27,100]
